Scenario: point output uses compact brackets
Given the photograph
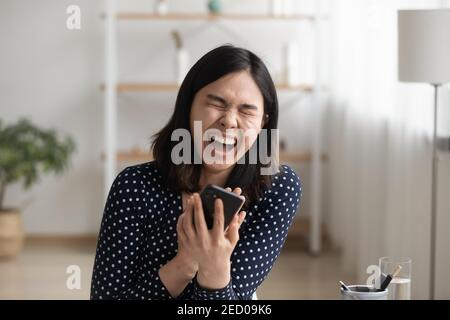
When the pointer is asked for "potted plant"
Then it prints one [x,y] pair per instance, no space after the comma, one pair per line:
[26,152]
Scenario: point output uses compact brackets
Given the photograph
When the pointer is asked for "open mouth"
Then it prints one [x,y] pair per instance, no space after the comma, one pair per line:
[221,144]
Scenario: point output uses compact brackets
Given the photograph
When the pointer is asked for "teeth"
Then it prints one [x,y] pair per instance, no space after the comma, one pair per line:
[227,140]
[222,140]
[220,146]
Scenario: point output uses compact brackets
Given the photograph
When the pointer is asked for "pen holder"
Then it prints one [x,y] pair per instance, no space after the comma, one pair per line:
[364,292]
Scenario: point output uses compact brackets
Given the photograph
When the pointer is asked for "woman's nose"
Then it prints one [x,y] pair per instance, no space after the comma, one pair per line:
[228,120]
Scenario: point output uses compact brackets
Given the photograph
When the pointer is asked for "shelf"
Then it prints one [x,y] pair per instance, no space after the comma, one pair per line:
[146,87]
[157,87]
[300,87]
[137,155]
[210,17]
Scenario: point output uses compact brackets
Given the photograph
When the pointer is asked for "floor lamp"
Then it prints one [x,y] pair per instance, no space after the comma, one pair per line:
[424,56]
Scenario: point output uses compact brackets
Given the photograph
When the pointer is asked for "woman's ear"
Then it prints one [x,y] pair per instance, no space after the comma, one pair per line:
[264,121]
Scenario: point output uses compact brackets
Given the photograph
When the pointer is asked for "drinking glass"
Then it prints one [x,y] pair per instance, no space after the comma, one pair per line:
[400,285]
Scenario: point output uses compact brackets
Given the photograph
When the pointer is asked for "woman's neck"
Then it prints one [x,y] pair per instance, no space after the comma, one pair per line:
[217,178]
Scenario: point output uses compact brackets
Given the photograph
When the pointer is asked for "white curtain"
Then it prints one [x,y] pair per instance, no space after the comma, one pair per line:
[378,180]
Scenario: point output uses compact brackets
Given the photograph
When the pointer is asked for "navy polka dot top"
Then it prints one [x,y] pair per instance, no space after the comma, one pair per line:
[138,236]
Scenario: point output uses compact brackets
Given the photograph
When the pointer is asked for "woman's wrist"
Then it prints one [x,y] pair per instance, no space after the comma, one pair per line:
[214,278]
[176,274]
[185,265]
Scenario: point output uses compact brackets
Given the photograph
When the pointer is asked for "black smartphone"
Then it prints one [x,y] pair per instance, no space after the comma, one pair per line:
[232,203]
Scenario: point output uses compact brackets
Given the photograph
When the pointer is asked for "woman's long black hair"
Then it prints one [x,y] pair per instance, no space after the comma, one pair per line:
[212,66]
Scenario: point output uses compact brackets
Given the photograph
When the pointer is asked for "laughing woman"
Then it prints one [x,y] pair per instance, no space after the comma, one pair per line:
[153,241]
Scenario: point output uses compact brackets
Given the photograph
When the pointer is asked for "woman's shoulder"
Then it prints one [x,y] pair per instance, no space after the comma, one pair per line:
[286,183]
[283,197]
[145,174]
[142,168]
[286,178]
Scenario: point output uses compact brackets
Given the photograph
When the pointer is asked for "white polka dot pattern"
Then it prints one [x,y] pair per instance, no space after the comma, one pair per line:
[138,236]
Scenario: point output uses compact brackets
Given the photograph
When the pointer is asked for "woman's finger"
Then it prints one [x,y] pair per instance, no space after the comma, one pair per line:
[180,232]
[237,191]
[241,218]
[233,233]
[199,217]
[187,221]
[179,223]
[234,220]
[218,227]
[238,219]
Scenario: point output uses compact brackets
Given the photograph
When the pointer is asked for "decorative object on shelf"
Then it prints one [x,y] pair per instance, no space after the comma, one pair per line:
[25,153]
[423,56]
[292,76]
[181,58]
[161,7]
[214,6]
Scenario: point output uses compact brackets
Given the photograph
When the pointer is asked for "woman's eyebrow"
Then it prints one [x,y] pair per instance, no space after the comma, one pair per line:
[226,103]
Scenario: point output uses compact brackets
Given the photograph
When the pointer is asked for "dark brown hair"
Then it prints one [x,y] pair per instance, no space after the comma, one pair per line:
[212,66]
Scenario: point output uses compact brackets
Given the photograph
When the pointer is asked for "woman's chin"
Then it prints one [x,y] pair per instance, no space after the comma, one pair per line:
[218,167]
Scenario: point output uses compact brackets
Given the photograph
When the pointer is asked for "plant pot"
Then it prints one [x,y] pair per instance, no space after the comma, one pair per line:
[11,233]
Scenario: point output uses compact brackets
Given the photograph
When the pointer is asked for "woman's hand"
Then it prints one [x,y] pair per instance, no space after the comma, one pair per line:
[178,272]
[183,257]
[212,249]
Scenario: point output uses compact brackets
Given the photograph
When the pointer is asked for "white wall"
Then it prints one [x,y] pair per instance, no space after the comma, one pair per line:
[51,75]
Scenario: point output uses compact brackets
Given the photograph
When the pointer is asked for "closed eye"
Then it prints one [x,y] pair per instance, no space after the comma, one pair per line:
[216,101]
[249,109]
[216,105]
[219,102]
[247,112]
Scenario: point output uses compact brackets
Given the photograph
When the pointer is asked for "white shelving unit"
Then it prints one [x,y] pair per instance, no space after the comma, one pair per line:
[112,87]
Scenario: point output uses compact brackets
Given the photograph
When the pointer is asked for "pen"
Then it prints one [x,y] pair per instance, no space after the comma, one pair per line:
[389,277]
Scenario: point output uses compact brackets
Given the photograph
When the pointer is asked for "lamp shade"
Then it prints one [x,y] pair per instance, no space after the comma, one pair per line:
[424,46]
